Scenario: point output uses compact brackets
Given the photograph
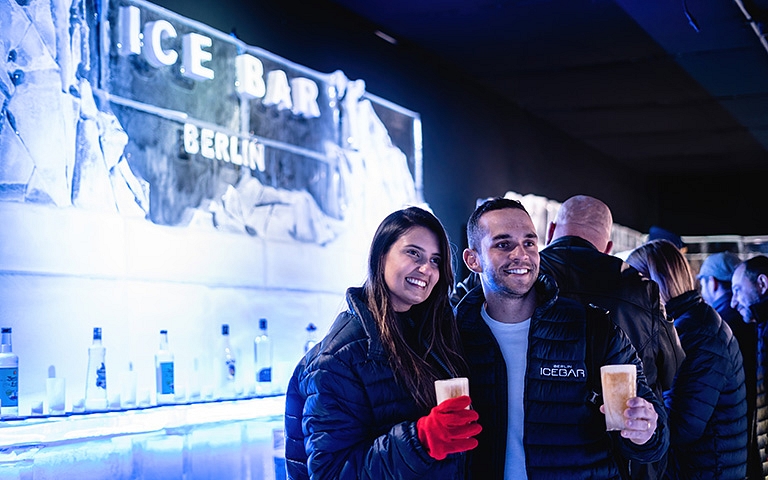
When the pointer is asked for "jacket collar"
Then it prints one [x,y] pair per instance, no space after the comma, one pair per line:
[723,302]
[545,288]
[571,241]
[760,310]
[359,307]
[677,306]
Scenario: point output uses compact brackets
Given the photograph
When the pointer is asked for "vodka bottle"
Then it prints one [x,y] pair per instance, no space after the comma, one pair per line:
[262,354]
[96,377]
[227,384]
[311,339]
[9,376]
[164,371]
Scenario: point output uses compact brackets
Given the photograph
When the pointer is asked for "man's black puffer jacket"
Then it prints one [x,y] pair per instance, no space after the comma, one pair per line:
[590,276]
[347,418]
[707,403]
[564,432]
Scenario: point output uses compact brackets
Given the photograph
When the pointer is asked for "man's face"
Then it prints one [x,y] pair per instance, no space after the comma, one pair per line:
[507,256]
[745,293]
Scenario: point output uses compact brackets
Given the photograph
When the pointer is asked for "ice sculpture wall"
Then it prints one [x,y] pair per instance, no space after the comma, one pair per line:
[156,173]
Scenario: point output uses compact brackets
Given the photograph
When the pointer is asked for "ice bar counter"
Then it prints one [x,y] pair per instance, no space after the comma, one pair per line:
[231,428]
[229,439]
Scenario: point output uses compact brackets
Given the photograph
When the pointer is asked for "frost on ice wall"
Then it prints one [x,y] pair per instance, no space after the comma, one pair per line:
[156,173]
[134,110]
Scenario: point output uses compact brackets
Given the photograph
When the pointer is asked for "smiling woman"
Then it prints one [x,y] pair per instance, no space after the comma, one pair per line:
[411,268]
[376,369]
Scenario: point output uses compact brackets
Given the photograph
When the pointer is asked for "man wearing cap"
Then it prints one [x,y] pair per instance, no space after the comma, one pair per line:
[715,281]
[750,297]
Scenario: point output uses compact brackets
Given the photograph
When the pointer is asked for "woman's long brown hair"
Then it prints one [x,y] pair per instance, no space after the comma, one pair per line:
[434,317]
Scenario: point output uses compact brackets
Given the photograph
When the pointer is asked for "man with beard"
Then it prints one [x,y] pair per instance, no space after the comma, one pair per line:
[534,362]
[750,297]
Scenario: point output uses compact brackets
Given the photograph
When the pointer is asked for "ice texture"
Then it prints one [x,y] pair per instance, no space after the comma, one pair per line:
[64,142]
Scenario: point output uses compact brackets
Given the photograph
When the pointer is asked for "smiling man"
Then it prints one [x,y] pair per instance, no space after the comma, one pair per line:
[534,364]
[750,297]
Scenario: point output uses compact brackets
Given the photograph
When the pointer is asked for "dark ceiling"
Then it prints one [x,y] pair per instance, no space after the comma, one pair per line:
[666,86]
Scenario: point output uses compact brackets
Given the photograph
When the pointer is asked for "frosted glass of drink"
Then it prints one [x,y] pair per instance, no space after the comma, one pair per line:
[619,385]
[451,388]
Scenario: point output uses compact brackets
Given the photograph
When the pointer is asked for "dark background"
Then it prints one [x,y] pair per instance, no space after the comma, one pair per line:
[479,143]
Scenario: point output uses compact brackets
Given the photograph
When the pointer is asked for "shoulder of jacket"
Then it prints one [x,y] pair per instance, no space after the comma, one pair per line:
[346,330]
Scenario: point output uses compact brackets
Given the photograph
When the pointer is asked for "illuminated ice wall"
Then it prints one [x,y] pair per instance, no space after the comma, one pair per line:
[156,173]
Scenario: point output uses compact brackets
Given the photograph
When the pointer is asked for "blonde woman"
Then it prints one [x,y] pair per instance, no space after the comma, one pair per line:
[707,402]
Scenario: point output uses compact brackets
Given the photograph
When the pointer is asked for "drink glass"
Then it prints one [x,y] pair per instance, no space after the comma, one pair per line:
[55,395]
[619,385]
[451,388]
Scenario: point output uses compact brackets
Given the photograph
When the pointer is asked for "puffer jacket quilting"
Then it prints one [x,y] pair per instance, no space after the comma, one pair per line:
[707,402]
[347,418]
[589,276]
[564,433]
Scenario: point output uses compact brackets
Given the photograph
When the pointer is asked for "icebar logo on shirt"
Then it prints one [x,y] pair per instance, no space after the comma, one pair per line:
[562,370]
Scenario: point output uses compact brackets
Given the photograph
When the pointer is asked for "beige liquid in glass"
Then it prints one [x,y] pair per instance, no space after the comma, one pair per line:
[619,385]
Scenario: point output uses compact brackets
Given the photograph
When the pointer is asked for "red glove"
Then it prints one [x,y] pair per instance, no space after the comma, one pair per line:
[449,428]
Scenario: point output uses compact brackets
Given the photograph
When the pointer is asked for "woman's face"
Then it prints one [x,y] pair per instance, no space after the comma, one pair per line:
[412,268]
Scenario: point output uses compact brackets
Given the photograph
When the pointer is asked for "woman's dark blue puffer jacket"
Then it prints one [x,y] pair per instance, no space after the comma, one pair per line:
[707,402]
[347,418]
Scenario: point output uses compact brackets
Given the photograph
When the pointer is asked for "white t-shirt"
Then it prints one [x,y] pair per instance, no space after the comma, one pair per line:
[513,341]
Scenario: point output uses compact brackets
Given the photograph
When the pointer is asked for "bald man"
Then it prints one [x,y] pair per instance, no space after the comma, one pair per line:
[578,257]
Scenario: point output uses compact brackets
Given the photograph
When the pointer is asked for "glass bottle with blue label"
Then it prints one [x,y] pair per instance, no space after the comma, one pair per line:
[228,364]
[96,378]
[262,351]
[164,371]
[311,337]
[9,376]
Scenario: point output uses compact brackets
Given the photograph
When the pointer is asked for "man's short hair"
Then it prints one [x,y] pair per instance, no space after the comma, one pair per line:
[498,203]
[754,267]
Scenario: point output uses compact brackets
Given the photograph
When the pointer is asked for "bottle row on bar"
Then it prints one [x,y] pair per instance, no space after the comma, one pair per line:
[95,396]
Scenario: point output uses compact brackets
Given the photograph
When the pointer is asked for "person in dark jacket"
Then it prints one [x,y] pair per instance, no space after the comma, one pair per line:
[714,278]
[707,402]
[578,257]
[361,403]
[750,297]
[534,361]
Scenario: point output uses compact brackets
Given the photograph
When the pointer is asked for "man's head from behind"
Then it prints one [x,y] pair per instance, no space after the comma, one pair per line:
[715,275]
[584,217]
[749,285]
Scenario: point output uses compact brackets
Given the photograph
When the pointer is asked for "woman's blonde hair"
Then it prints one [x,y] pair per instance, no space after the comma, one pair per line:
[665,264]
